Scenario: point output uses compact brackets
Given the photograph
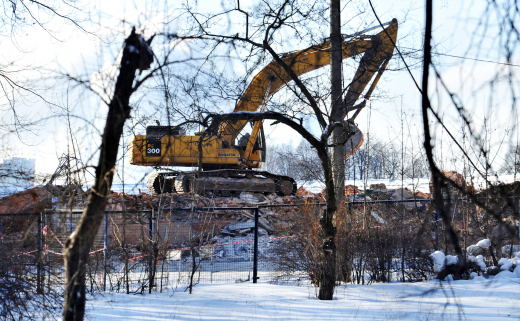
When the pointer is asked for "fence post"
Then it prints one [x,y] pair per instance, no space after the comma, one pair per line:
[211,267]
[255,249]
[150,261]
[105,252]
[39,263]
[2,232]
[437,224]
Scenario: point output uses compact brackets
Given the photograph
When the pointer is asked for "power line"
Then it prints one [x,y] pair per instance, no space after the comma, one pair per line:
[494,62]
[468,58]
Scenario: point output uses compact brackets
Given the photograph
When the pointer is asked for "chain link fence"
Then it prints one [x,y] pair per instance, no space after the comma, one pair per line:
[151,250]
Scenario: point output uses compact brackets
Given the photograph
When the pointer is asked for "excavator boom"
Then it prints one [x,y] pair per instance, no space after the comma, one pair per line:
[380,47]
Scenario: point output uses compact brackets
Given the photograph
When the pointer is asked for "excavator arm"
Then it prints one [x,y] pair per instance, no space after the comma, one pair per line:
[378,50]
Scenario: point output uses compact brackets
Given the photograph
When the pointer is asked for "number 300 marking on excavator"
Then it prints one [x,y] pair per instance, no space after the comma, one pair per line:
[153,147]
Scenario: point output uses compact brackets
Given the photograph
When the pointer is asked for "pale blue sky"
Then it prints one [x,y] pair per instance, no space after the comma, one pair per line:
[81,53]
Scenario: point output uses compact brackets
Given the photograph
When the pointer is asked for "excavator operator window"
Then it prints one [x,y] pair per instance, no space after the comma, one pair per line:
[242,141]
[260,144]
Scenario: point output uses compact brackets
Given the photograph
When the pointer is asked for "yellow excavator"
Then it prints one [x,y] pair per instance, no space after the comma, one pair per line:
[227,160]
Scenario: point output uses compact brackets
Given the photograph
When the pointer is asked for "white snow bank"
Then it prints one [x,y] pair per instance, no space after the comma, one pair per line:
[505,264]
[485,243]
[129,188]
[312,186]
[420,184]
[480,262]
[451,259]
[472,249]
[438,260]
[517,271]
[378,218]
[505,275]
[479,300]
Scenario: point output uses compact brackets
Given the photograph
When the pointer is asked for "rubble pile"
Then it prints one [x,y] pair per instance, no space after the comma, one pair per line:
[379,192]
[143,201]
[235,223]
[456,178]
[33,200]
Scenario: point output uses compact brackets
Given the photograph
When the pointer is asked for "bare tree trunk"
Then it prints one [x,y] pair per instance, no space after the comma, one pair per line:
[437,176]
[327,276]
[338,151]
[78,245]
[328,265]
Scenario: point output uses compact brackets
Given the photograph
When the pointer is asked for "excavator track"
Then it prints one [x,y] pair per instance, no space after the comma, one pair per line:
[153,184]
[182,184]
[160,183]
[221,182]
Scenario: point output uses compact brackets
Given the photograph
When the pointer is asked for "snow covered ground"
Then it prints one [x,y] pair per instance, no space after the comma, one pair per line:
[421,184]
[479,299]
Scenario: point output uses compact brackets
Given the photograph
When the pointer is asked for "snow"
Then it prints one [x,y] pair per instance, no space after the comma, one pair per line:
[517,271]
[451,259]
[478,299]
[505,275]
[378,218]
[480,262]
[420,184]
[485,243]
[472,249]
[505,264]
[438,260]
[129,188]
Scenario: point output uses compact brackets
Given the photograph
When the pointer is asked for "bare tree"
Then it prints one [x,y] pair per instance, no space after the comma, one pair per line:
[478,158]
[300,162]
[288,16]
[18,82]
[137,55]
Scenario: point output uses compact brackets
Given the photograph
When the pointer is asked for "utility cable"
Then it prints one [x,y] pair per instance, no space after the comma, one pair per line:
[418,88]
[467,58]
[399,51]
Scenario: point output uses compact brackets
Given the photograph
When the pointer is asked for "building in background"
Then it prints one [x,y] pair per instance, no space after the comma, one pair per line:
[16,174]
